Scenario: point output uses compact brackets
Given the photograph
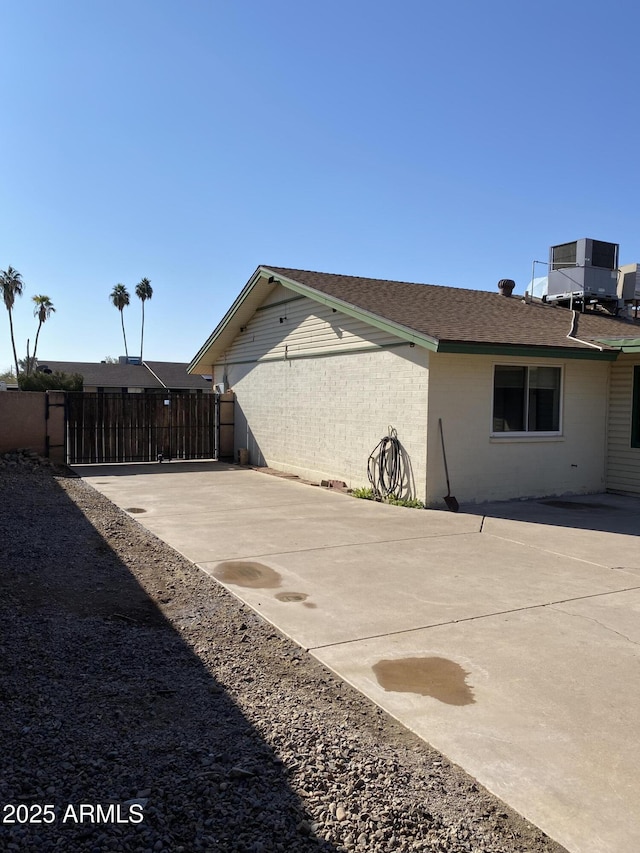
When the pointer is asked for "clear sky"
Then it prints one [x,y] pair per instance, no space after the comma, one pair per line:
[189,141]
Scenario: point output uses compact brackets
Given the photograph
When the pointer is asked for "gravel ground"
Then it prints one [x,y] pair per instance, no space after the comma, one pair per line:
[145,709]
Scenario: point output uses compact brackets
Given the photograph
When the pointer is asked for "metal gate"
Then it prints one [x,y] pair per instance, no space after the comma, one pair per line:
[126,427]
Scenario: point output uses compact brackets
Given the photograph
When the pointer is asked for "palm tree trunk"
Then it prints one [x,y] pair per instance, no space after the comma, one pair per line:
[126,351]
[35,345]
[142,331]
[13,344]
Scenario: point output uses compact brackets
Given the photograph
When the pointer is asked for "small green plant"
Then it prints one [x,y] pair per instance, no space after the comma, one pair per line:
[367,494]
[412,503]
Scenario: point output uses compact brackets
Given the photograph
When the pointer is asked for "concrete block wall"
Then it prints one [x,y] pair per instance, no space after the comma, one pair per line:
[28,422]
[322,417]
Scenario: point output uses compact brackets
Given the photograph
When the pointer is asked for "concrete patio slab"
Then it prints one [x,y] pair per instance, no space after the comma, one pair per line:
[540,706]
[209,514]
[406,585]
[506,635]
[184,489]
[579,527]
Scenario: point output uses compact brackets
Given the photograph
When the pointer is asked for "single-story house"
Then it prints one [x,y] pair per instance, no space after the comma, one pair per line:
[534,399]
[130,376]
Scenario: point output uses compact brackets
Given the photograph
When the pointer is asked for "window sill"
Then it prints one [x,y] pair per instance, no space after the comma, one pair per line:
[526,437]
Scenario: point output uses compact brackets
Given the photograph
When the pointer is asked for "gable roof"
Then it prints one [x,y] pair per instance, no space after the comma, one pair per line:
[174,374]
[443,319]
[150,375]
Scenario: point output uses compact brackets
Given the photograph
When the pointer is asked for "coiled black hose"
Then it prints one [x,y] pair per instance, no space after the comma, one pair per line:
[384,467]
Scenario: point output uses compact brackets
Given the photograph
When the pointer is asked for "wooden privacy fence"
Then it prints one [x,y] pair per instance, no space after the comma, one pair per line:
[129,427]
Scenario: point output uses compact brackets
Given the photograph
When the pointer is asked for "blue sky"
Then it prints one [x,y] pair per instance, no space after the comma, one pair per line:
[189,141]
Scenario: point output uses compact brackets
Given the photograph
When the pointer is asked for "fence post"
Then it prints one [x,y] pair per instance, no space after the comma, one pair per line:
[226,424]
[56,426]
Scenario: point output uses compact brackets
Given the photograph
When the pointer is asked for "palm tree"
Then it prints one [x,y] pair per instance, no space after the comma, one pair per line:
[11,284]
[144,291]
[120,298]
[43,310]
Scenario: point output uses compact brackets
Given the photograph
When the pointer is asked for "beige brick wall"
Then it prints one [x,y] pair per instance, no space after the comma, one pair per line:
[322,417]
[316,391]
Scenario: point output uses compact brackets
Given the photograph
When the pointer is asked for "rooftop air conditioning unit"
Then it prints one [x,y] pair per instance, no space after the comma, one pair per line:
[629,284]
[583,271]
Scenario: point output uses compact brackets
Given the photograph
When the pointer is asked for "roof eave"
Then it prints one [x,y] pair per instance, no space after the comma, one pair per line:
[525,350]
[227,329]
[236,317]
[373,319]
[628,345]
[248,301]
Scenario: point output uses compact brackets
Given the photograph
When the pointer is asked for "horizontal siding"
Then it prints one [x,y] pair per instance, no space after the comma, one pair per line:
[294,327]
[623,461]
[280,294]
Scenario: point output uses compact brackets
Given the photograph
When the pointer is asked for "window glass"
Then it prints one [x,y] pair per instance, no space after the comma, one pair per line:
[526,399]
[509,399]
[544,399]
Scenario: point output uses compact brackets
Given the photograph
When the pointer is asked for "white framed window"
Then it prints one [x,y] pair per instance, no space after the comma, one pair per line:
[527,400]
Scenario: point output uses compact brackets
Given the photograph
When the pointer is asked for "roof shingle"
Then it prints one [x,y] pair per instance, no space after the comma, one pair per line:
[157,375]
[451,314]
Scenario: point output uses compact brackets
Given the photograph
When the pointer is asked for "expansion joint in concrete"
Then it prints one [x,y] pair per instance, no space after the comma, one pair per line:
[550,604]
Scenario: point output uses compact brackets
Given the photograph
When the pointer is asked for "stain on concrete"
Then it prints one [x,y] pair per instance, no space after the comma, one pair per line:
[292,596]
[296,597]
[247,574]
[134,509]
[442,679]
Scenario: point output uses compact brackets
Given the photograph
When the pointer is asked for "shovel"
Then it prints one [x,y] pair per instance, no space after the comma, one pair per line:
[450,501]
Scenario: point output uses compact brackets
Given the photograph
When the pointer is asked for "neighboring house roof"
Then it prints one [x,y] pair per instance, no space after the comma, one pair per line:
[444,319]
[174,374]
[151,375]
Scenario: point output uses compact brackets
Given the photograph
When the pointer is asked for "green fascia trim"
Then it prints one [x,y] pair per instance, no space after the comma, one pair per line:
[619,342]
[526,352]
[400,331]
[222,325]
[409,335]
[624,344]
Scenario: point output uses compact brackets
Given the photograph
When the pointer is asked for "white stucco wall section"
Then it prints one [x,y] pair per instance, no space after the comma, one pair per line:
[482,467]
[319,407]
[623,461]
